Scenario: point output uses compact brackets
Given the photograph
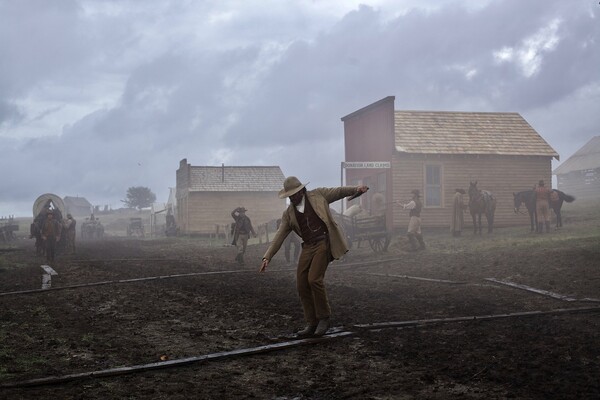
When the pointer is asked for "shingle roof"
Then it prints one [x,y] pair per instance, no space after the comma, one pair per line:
[588,157]
[236,179]
[443,132]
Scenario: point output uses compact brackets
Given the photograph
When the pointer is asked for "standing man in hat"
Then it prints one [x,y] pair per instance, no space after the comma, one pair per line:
[414,223]
[243,228]
[69,226]
[458,209]
[542,206]
[309,216]
[51,235]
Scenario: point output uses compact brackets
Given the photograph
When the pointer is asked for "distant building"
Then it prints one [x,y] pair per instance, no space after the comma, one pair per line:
[159,212]
[77,206]
[579,175]
[438,152]
[206,195]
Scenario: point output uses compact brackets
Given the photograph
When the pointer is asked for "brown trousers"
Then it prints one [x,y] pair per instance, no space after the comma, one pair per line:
[310,274]
[242,243]
[543,211]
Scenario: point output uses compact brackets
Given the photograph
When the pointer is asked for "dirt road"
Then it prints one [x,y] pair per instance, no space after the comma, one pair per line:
[102,318]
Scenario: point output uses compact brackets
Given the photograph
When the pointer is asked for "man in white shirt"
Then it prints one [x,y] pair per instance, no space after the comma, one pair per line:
[414,224]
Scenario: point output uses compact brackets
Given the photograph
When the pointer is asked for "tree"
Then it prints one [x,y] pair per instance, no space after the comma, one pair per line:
[139,197]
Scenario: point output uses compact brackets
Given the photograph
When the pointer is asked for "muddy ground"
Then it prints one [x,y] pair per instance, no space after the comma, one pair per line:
[97,327]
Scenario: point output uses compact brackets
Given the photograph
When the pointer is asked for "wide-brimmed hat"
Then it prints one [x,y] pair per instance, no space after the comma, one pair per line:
[291,185]
[242,209]
[416,192]
[541,182]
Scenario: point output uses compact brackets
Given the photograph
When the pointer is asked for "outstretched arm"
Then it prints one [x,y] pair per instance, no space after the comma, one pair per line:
[264,265]
[337,193]
[280,235]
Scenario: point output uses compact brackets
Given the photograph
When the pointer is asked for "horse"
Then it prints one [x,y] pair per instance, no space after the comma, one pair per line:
[528,197]
[35,231]
[481,202]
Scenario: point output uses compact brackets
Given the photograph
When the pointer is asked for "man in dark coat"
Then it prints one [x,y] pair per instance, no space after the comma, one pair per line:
[51,231]
[243,229]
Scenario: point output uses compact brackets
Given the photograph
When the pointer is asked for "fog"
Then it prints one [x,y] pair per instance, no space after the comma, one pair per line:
[99,96]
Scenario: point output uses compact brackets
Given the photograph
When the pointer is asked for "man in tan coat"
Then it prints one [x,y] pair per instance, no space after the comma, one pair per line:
[309,216]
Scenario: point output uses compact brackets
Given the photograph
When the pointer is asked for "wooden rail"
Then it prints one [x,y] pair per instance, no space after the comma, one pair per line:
[337,333]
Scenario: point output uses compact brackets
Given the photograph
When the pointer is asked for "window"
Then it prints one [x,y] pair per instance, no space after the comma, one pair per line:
[433,186]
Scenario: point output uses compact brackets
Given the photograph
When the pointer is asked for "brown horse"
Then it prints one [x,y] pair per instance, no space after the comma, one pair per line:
[528,198]
[481,202]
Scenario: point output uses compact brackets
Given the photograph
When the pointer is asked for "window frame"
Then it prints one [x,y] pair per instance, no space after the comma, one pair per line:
[426,185]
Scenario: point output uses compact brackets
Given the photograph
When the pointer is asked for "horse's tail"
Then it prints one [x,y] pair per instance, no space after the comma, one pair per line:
[566,197]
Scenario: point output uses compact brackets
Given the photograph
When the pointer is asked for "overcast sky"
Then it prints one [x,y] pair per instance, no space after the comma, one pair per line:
[98,96]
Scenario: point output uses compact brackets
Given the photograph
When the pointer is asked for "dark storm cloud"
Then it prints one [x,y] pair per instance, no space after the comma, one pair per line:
[249,90]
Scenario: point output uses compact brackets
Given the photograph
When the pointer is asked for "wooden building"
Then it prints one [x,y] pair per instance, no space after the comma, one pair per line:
[77,206]
[579,175]
[438,152]
[207,195]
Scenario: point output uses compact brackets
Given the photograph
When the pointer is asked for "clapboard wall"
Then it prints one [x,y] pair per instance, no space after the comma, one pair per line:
[201,212]
[502,175]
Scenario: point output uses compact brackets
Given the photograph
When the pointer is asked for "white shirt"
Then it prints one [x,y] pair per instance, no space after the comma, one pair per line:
[409,206]
[300,207]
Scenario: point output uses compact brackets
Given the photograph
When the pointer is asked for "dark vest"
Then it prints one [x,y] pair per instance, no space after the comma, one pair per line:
[416,212]
[311,226]
[244,225]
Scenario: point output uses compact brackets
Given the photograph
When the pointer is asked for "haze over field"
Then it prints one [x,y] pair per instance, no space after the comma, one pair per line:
[98,96]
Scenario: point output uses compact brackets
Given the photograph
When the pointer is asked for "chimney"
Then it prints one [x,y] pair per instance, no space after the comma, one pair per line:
[223,172]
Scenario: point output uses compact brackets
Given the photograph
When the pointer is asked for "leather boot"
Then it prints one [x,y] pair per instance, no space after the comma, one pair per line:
[413,241]
[307,331]
[421,242]
[322,327]
[547,227]
[540,227]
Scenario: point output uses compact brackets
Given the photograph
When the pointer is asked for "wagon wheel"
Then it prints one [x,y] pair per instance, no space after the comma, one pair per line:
[379,243]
